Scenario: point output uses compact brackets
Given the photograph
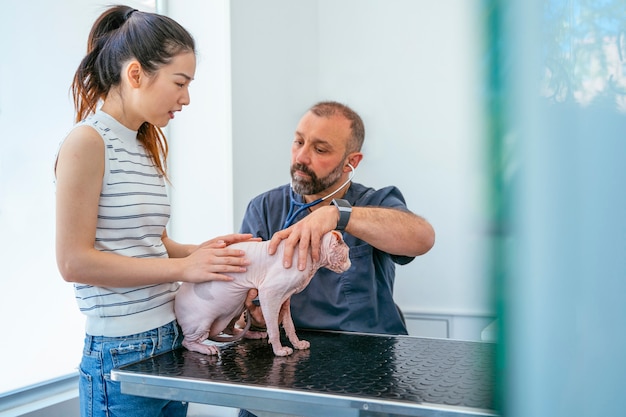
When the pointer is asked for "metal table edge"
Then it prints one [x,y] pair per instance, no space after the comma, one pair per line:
[268,393]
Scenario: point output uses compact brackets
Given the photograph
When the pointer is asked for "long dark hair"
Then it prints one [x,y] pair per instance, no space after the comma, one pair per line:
[122,33]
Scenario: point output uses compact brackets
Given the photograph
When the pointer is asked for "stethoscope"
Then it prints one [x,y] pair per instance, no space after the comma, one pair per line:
[291,216]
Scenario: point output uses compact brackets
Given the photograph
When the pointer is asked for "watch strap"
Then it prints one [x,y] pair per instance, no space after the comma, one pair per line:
[345,210]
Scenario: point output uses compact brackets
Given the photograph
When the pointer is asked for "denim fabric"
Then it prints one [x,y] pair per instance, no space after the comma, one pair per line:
[101,397]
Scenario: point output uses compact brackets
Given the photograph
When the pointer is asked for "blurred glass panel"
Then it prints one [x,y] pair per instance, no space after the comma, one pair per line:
[584,53]
[560,87]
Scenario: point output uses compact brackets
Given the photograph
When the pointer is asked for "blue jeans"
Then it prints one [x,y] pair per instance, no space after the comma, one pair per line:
[101,397]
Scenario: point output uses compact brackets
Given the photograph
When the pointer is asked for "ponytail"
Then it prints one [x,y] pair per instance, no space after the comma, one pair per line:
[122,33]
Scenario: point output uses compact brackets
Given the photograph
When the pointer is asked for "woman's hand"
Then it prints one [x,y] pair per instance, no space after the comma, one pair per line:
[213,260]
[229,240]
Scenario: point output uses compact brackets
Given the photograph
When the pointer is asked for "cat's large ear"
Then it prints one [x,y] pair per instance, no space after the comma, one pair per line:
[337,235]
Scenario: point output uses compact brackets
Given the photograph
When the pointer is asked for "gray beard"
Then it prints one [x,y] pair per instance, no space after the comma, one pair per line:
[313,185]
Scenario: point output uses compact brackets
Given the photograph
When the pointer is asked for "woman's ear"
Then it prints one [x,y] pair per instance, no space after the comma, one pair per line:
[134,73]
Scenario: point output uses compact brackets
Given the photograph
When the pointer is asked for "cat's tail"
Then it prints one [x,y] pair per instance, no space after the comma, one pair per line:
[237,335]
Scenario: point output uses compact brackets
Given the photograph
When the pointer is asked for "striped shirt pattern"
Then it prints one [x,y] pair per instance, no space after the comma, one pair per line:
[133,211]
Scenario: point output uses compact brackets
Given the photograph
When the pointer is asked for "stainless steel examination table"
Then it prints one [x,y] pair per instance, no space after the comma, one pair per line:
[342,374]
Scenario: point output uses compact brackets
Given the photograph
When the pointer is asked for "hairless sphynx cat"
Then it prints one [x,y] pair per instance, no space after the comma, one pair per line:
[207,309]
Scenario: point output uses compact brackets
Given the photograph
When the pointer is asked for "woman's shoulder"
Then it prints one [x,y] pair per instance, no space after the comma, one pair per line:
[81,156]
[83,137]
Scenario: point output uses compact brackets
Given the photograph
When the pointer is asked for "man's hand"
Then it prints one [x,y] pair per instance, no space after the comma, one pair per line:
[305,234]
[254,311]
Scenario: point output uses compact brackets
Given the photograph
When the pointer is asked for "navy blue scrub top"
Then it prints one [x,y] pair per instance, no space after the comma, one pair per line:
[358,300]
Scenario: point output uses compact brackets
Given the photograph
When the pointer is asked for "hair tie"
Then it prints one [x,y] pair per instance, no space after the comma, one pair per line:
[128,13]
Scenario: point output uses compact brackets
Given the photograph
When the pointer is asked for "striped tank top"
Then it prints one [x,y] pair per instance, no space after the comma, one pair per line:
[132,214]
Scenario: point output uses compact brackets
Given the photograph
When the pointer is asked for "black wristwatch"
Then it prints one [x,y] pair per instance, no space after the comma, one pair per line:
[345,209]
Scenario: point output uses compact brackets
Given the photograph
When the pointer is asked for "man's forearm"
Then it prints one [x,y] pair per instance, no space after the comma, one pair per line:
[391,230]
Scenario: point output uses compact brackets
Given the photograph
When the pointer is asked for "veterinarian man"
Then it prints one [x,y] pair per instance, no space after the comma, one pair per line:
[376,225]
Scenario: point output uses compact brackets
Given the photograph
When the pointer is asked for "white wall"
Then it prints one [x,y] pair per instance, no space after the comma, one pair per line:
[412,70]
[275,60]
[200,139]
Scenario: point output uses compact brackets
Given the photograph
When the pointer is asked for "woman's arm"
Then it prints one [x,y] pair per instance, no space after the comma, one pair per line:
[79,173]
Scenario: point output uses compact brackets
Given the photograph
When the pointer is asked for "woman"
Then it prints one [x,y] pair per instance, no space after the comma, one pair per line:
[112,205]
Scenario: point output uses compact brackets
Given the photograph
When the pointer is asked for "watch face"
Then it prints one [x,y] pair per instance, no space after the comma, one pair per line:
[341,203]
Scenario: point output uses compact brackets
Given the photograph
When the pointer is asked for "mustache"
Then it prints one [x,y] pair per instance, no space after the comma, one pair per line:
[303,168]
